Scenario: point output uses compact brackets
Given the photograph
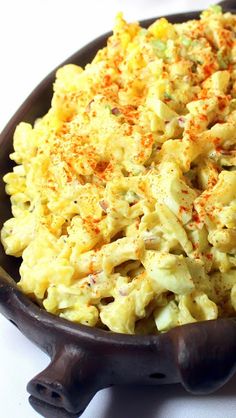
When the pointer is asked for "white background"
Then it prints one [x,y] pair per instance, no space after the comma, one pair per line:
[35,36]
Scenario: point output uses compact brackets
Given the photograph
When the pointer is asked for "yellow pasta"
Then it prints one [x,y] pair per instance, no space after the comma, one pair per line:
[124,194]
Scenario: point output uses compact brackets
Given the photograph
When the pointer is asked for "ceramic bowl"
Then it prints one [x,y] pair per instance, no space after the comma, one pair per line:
[202,356]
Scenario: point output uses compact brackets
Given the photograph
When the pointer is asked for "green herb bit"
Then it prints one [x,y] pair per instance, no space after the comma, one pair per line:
[158,45]
[186,41]
[195,43]
[216,8]
[143,32]
[221,61]
[108,107]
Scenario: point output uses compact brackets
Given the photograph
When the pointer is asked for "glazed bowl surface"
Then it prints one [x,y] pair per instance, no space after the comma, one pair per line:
[85,360]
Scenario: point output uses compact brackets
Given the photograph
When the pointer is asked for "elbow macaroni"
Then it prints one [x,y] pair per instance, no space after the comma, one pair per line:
[124,193]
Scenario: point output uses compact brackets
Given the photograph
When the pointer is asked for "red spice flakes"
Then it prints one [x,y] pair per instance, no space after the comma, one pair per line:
[118,59]
[68,173]
[165,74]
[63,129]
[142,187]
[225,37]
[101,166]
[53,188]
[203,117]
[208,69]
[107,80]
[196,218]
[216,141]
[147,141]
[202,95]
[222,103]
[205,107]
[128,110]
[91,224]
[184,191]
[183,209]
[205,196]
[68,118]
[212,182]
[209,256]
[103,169]
[129,130]
[211,216]
[96,229]
[91,267]
[97,248]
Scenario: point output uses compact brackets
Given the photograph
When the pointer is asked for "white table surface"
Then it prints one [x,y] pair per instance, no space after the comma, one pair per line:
[35,36]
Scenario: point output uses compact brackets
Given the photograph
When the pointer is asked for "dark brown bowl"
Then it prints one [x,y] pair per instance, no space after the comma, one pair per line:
[202,357]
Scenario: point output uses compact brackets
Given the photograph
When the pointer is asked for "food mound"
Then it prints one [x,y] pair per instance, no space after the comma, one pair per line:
[124,193]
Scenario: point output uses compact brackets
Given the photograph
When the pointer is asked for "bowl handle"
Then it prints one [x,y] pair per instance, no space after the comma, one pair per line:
[228,5]
[67,384]
[206,354]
